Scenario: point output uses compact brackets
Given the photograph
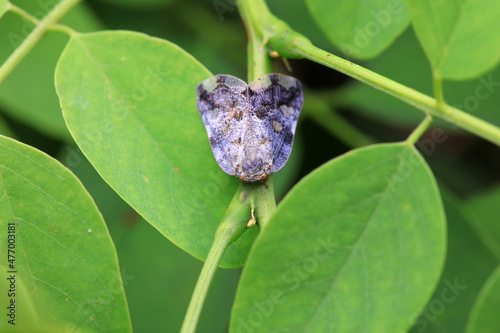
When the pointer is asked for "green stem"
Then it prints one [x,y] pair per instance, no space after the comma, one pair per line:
[259,62]
[421,128]
[232,226]
[21,12]
[438,91]
[265,201]
[42,26]
[62,28]
[221,242]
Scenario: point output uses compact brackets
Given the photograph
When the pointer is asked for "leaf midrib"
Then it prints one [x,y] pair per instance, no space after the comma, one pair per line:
[446,44]
[356,245]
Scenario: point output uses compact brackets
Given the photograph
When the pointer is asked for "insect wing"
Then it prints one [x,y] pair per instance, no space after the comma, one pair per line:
[276,101]
[222,104]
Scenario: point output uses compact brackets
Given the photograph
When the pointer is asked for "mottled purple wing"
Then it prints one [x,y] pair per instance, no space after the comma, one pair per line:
[223,104]
[276,101]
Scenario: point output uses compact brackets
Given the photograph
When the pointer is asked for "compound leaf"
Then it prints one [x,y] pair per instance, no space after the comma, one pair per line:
[405,62]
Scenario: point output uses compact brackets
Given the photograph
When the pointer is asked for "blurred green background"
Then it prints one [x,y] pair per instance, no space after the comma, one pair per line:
[158,276]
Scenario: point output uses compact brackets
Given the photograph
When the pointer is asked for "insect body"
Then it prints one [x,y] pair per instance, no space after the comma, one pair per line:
[250,127]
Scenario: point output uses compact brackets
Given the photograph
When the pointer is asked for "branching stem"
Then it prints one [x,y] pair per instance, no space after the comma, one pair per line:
[290,44]
[420,101]
[32,39]
[22,13]
[62,28]
[421,128]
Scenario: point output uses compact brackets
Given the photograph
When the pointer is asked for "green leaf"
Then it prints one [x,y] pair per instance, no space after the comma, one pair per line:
[130,103]
[4,6]
[405,62]
[458,37]
[64,256]
[356,246]
[484,315]
[26,316]
[34,76]
[24,309]
[360,28]
[484,211]
[296,14]
[468,265]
